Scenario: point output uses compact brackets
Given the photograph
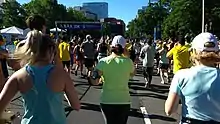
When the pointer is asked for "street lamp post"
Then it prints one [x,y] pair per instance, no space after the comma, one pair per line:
[203,15]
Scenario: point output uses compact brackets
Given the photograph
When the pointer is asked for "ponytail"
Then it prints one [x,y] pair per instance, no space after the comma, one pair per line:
[118,50]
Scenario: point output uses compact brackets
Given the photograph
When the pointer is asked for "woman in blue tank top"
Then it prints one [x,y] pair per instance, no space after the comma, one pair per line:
[42,85]
[198,86]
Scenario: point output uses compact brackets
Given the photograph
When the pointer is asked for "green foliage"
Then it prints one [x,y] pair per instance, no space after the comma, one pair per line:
[146,20]
[14,14]
[185,17]
[176,17]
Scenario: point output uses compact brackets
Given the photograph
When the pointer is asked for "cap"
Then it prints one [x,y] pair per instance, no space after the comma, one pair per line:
[88,36]
[200,42]
[119,40]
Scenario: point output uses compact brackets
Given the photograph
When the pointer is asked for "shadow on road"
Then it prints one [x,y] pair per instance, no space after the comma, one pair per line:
[153,95]
[154,88]
[160,86]
[163,118]
[94,107]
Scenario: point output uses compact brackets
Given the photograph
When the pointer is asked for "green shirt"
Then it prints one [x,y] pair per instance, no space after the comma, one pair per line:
[116,74]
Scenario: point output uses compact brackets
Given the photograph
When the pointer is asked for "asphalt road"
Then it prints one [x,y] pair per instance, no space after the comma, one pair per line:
[152,100]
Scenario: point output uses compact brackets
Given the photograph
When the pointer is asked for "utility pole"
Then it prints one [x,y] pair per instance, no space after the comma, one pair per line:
[203,15]
[149,2]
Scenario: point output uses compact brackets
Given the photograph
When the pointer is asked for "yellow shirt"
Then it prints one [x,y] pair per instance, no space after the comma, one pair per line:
[128,47]
[64,51]
[181,57]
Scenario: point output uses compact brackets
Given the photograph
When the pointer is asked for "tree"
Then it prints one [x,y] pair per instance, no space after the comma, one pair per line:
[74,15]
[12,14]
[186,17]
[176,17]
[50,10]
[146,20]
[132,30]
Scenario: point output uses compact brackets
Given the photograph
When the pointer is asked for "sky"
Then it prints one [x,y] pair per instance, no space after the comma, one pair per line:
[121,9]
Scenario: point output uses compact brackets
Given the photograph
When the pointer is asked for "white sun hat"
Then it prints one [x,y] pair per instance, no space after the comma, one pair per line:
[118,40]
[200,41]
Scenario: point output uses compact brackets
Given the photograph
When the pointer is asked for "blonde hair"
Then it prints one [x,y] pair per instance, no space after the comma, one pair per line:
[205,57]
[35,48]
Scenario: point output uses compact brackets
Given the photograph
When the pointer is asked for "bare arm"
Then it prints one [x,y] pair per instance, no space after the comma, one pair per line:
[172,101]
[71,93]
[8,92]
[171,104]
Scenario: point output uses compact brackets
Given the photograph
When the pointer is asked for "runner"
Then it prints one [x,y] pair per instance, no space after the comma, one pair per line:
[3,55]
[40,83]
[159,46]
[102,49]
[72,46]
[79,57]
[147,55]
[34,22]
[180,54]
[64,49]
[115,71]
[164,64]
[198,87]
[88,50]
[137,48]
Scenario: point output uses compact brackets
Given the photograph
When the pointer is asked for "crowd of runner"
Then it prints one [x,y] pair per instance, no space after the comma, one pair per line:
[43,66]
[164,56]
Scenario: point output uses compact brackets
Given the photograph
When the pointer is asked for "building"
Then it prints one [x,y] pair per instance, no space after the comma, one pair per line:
[115,26]
[99,8]
[90,15]
[87,14]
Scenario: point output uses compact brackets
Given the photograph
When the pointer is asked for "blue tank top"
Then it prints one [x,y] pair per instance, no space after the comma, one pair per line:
[41,104]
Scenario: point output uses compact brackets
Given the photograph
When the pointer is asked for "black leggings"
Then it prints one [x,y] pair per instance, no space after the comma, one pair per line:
[115,113]
[148,73]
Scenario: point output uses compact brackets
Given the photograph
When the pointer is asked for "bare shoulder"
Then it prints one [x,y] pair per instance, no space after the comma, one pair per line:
[20,75]
[23,79]
[57,78]
[58,72]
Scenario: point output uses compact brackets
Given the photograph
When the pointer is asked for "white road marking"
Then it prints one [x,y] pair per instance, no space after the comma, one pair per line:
[146,117]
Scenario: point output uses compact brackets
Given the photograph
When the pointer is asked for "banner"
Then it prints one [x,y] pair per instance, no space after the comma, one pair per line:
[80,26]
